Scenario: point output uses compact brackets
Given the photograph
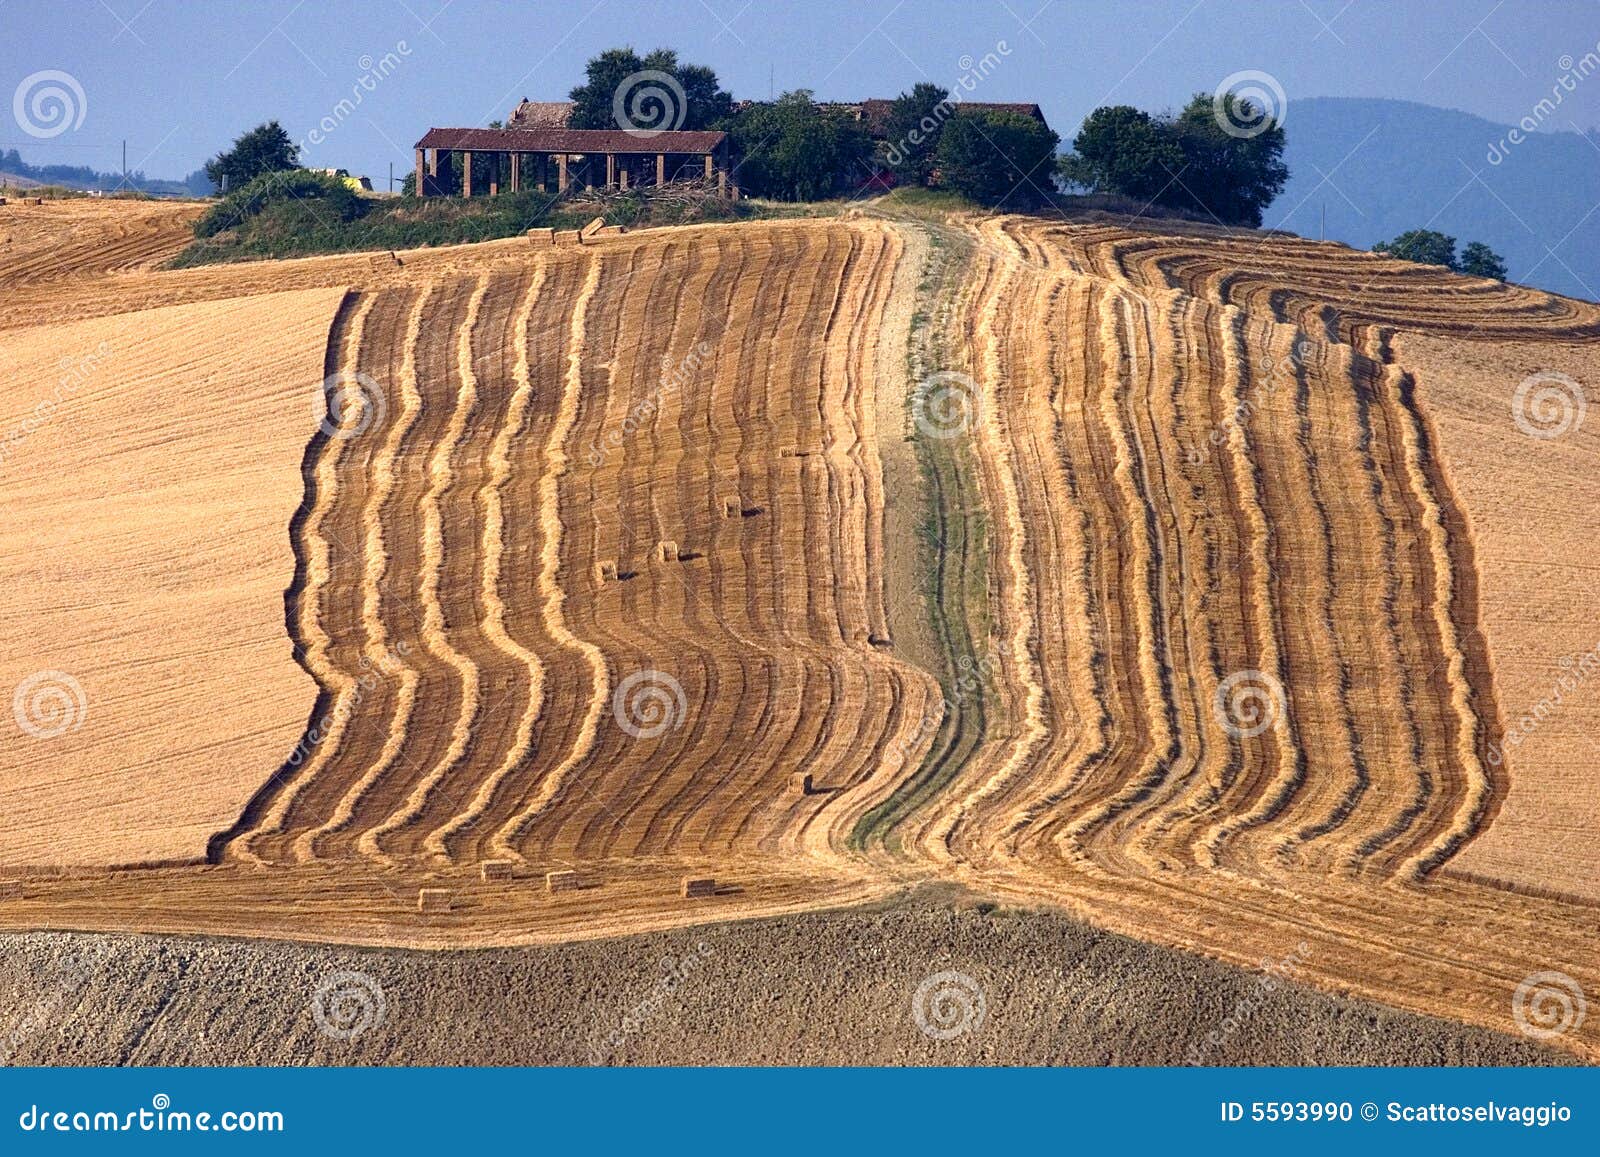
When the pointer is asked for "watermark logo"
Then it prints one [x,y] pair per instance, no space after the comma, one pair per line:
[1548,405]
[945,404]
[675,973]
[650,103]
[948,1005]
[347,1004]
[1548,1004]
[1273,973]
[649,703]
[371,73]
[349,404]
[1248,103]
[1248,703]
[47,104]
[49,703]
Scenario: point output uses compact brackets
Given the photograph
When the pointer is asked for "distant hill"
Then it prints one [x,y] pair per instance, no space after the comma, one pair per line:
[1407,166]
[19,174]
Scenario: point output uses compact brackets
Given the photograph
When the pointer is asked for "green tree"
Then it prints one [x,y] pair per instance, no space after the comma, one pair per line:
[702,102]
[1231,175]
[915,122]
[264,149]
[791,150]
[1478,260]
[1121,149]
[997,158]
[1423,246]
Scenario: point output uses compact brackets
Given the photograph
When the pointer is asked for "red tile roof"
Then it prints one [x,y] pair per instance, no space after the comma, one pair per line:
[570,141]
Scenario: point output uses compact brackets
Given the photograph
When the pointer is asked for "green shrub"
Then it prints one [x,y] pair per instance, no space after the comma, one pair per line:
[332,199]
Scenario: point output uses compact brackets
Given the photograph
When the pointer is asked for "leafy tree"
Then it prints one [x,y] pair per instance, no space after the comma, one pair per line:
[1478,260]
[594,101]
[916,120]
[706,103]
[1423,246]
[1229,176]
[264,149]
[1121,149]
[793,151]
[997,158]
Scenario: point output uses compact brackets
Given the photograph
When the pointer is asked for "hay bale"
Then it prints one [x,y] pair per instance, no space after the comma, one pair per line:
[605,572]
[562,881]
[732,508]
[593,228]
[542,236]
[433,900]
[496,869]
[10,890]
[568,237]
[610,231]
[699,887]
[800,783]
[667,551]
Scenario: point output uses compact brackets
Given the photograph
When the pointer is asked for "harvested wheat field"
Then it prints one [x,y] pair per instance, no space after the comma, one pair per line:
[1193,581]
[83,238]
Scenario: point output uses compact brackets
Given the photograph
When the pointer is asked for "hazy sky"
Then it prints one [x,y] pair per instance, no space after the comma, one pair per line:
[180,78]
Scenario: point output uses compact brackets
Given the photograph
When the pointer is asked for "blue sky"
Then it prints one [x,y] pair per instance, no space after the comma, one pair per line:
[180,78]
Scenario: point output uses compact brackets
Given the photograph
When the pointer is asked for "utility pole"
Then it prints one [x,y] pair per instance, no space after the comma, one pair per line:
[391,176]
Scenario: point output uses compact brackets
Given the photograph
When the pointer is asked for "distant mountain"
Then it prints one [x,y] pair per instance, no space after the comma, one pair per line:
[1393,165]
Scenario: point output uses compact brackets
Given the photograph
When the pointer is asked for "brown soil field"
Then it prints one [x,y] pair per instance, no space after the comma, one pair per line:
[835,988]
[1217,597]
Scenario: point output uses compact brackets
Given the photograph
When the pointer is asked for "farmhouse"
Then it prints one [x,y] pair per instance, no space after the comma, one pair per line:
[556,159]
[537,149]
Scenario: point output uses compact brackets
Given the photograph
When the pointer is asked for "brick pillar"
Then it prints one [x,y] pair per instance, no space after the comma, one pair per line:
[708,166]
[516,172]
[466,174]
[422,179]
[622,175]
[661,168]
[611,169]
[561,173]
[433,163]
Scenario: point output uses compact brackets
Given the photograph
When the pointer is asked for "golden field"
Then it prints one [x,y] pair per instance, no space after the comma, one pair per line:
[1188,579]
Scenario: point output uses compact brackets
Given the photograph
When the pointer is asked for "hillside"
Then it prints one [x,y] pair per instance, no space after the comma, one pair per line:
[1170,577]
[1396,165]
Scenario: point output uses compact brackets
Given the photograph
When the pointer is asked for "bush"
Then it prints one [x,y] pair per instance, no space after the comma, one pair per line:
[332,199]
[997,158]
